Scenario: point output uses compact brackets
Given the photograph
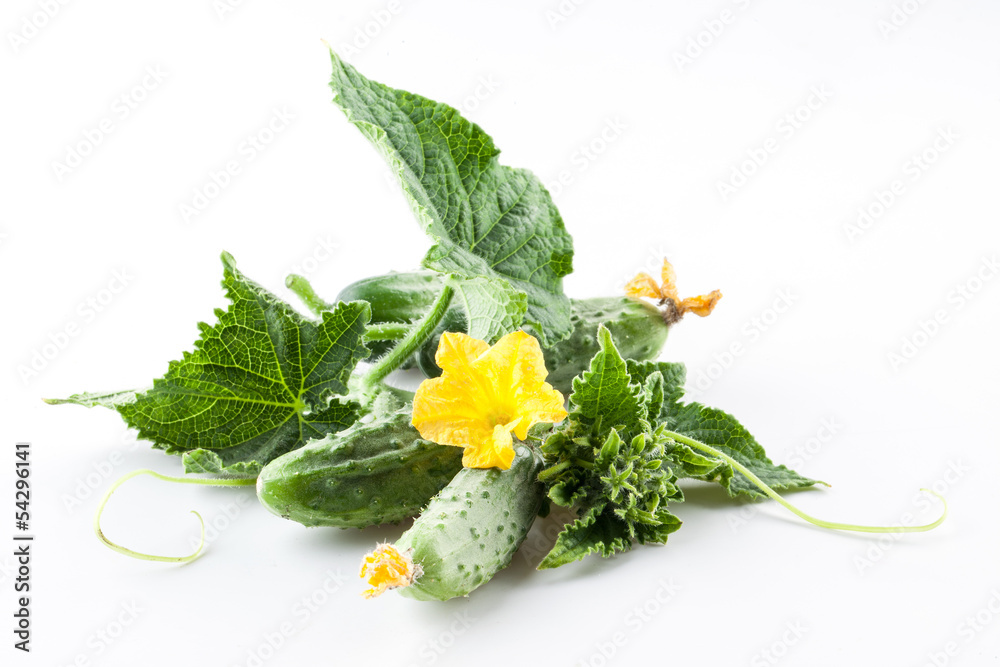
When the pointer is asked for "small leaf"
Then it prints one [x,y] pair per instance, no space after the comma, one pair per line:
[492,307]
[605,394]
[594,532]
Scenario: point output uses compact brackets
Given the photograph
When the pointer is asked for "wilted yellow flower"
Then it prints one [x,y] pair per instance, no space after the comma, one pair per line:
[484,395]
[386,568]
[644,285]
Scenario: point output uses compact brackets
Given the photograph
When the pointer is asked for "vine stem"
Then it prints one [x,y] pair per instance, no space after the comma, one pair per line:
[180,480]
[386,331]
[771,493]
[416,336]
[304,290]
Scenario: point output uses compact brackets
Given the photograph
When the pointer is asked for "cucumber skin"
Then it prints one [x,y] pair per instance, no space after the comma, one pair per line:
[637,328]
[399,298]
[472,528]
[367,475]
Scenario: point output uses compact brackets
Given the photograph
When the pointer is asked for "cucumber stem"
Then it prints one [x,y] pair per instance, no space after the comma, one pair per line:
[416,337]
[305,291]
[771,493]
[180,480]
[386,331]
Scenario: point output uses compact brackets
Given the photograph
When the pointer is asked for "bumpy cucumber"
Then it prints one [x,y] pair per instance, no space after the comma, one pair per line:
[472,528]
[636,326]
[369,474]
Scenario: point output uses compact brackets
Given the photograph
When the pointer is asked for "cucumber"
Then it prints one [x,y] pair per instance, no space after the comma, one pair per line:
[472,528]
[638,328]
[369,474]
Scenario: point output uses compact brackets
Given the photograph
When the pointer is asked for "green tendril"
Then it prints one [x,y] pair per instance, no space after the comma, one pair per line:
[307,294]
[179,480]
[831,525]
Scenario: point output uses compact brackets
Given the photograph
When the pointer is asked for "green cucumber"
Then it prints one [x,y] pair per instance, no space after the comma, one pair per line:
[637,327]
[370,474]
[396,298]
[472,528]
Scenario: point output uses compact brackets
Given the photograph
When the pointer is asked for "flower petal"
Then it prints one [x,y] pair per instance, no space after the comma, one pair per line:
[702,305]
[496,451]
[457,351]
[668,286]
[385,568]
[484,394]
[643,285]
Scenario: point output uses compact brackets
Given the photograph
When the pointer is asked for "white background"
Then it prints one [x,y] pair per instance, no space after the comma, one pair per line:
[815,382]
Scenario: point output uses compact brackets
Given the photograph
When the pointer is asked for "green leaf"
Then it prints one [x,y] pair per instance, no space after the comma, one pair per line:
[674,375]
[594,532]
[722,431]
[605,395]
[261,382]
[492,307]
[111,399]
[485,219]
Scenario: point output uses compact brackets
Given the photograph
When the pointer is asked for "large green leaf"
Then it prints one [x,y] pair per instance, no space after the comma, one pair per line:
[261,382]
[486,219]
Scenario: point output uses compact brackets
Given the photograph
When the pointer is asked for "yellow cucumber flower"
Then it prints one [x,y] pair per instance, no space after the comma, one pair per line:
[666,292]
[386,568]
[484,395]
